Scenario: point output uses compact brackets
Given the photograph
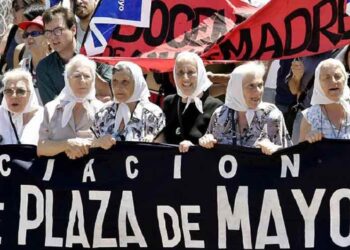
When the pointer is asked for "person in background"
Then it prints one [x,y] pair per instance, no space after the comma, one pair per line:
[272,68]
[83,9]
[22,51]
[284,99]
[37,44]
[60,30]
[329,115]
[20,112]
[244,119]
[68,118]
[300,81]
[188,112]
[14,36]
[131,117]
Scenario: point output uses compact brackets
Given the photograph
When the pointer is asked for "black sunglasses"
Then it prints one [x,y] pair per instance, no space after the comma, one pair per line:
[32,34]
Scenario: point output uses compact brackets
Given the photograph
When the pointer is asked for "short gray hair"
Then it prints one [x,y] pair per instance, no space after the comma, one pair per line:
[254,68]
[334,62]
[121,66]
[79,60]
[17,74]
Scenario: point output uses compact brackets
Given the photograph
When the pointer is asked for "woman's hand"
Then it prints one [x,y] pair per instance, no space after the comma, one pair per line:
[267,147]
[297,69]
[105,142]
[184,146]
[314,136]
[148,138]
[77,147]
[207,141]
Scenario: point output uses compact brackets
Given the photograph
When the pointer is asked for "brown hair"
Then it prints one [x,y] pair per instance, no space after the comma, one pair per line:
[67,15]
[27,3]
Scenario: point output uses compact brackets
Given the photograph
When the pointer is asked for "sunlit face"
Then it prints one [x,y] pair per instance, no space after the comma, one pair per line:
[59,35]
[253,89]
[122,85]
[332,81]
[17,94]
[37,42]
[84,8]
[80,80]
[186,76]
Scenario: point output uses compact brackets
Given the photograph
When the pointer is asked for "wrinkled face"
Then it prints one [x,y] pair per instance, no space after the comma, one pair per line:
[59,35]
[253,89]
[17,94]
[17,11]
[84,8]
[80,80]
[34,38]
[186,76]
[122,85]
[332,81]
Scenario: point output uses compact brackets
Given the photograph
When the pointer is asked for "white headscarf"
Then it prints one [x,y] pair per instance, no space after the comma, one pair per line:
[141,93]
[203,82]
[234,92]
[32,105]
[318,95]
[68,99]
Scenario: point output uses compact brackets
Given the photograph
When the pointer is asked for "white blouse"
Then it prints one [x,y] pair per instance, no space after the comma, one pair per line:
[30,132]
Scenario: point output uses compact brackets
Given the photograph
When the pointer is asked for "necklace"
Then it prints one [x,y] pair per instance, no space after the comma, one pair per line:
[241,131]
[336,135]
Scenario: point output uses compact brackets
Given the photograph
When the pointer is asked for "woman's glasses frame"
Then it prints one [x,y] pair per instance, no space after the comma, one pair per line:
[20,92]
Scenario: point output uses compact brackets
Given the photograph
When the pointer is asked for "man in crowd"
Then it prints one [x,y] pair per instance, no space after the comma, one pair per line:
[83,9]
[60,29]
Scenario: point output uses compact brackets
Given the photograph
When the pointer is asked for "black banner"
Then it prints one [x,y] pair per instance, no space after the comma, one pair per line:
[151,196]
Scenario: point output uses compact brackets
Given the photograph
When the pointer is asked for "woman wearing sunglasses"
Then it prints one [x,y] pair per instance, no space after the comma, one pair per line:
[20,113]
[36,43]
[14,35]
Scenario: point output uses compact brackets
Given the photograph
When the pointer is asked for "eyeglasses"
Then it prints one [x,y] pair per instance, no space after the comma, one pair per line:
[189,74]
[56,31]
[78,75]
[19,92]
[32,34]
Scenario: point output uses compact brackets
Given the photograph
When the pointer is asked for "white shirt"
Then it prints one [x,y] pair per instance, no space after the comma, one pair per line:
[30,134]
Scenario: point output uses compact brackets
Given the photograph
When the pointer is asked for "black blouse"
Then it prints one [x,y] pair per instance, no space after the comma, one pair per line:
[190,125]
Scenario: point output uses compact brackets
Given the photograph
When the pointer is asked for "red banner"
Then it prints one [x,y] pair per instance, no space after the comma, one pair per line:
[286,29]
[188,25]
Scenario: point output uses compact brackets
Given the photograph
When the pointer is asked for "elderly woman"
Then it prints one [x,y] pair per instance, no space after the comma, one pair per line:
[188,112]
[245,120]
[131,117]
[20,113]
[68,118]
[329,115]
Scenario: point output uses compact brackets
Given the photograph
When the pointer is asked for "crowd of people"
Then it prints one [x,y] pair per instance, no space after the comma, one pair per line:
[63,102]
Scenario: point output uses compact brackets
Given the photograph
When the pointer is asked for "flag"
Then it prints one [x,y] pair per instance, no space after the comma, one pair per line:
[189,25]
[51,3]
[348,7]
[108,14]
[286,29]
